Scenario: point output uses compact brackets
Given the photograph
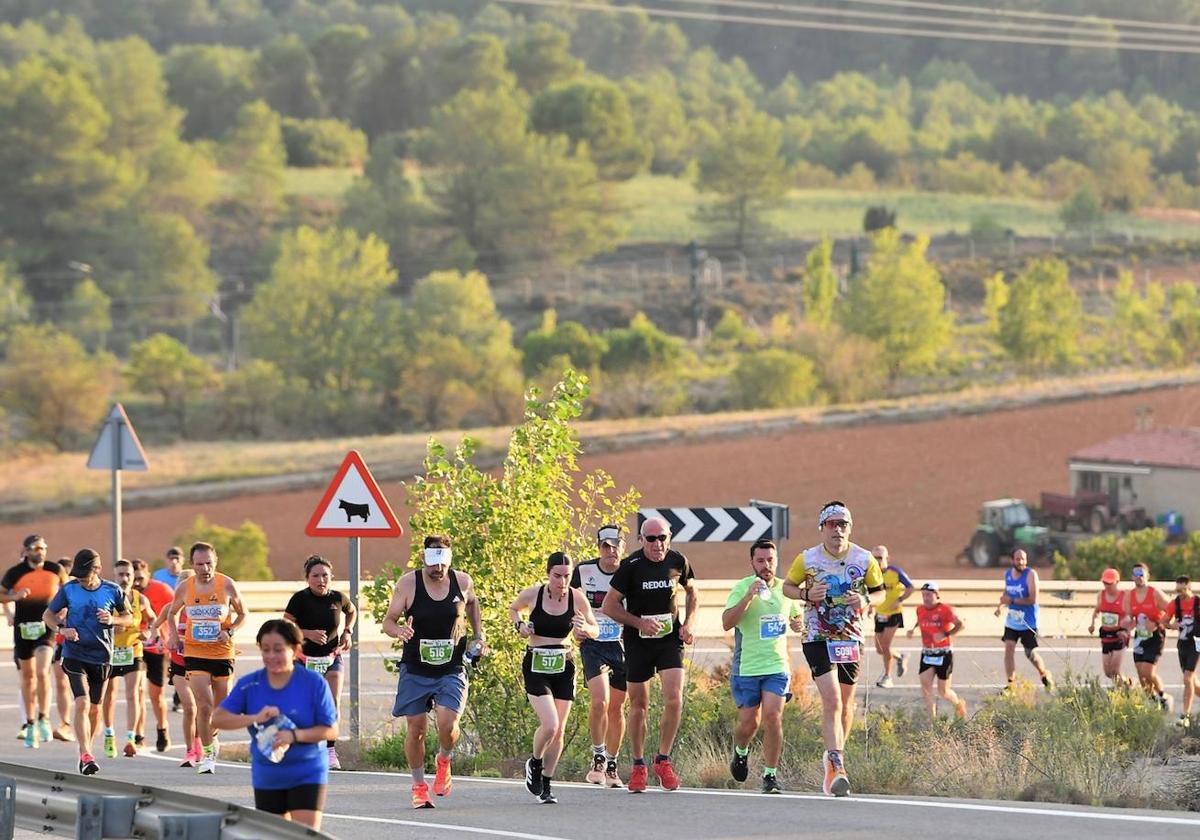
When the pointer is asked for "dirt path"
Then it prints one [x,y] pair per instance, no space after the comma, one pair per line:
[914,486]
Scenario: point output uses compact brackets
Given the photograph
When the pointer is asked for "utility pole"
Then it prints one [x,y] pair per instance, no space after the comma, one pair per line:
[697,256]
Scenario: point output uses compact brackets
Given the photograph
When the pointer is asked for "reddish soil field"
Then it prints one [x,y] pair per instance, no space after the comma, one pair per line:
[915,486]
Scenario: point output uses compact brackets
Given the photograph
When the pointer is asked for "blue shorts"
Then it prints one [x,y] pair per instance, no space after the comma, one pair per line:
[748,691]
[416,694]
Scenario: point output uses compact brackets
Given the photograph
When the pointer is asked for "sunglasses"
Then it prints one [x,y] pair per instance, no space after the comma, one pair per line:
[837,524]
[662,538]
[1138,573]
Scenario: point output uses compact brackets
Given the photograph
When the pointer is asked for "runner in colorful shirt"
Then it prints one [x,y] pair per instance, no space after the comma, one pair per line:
[1019,603]
[126,664]
[1110,611]
[889,615]
[938,623]
[837,580]
[1144,607]
[1183,612]
[759,614]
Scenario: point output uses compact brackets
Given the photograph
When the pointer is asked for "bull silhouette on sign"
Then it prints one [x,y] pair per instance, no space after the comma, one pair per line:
[353,509]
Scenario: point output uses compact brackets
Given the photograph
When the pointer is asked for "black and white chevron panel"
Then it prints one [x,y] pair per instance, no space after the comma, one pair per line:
[712,524]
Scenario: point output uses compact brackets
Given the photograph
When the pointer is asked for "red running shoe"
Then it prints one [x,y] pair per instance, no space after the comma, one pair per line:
[666,774]
[442,781]
[420,796]
[637,778]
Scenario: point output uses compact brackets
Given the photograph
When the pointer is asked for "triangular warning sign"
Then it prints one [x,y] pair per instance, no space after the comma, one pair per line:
[117,446]
[353,505]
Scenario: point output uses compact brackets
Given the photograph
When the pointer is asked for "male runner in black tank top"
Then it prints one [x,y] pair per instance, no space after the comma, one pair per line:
[436,603]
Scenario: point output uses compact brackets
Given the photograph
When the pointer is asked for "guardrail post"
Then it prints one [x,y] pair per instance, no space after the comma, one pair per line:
[89,818]
[8,808]
[190,826]
[105,816]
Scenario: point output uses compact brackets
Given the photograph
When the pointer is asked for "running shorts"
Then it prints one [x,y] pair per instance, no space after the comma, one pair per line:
[816,654]
[882,622]
[286,800]
[559,686]
[748,691]
[122,670]
[1028,638]
[218,669]
[1188,655]
[156,667]
[24,648]
[601,657]
[87,679]
[417,694]
[1148,650]
[645,658]
[941,662]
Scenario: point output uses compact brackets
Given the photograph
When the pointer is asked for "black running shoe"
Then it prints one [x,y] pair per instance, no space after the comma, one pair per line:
[89,767]
[739,767]
[771,784]
[162,742]
[533,776]
[546,797]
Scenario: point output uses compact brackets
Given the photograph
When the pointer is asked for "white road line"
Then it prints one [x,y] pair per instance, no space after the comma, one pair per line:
[464,829]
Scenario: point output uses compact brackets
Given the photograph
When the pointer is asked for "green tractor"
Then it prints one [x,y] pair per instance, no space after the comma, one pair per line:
[1004,526]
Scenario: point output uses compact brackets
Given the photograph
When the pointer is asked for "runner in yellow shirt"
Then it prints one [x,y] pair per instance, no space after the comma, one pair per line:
[889,615]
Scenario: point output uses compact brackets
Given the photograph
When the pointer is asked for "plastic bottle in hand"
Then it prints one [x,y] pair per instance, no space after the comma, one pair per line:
[764,590]
[264,737]
[473,652]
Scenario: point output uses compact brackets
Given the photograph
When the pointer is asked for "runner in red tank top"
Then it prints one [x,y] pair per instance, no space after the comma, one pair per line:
[1183,612]
[1109,611]
[1144,606]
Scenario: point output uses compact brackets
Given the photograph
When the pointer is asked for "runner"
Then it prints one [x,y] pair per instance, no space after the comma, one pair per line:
[1110,610]
[30,586]
[177,673]
[290,715]
[326,620]
[758,613]
[126,664]
[1183,612]
[837,580]
[603,660]
[154,654]
[889,615]
[214,611]
[170,573]
[436,602]
[938,623]
[1020,605]
[1144,606]
[94,608]
[556,613]
[642,597]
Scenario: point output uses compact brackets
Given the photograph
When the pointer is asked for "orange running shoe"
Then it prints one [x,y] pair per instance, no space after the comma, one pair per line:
[836,781]
[637,778]
[961,708]
[420,794]
[666,774]
[442,781]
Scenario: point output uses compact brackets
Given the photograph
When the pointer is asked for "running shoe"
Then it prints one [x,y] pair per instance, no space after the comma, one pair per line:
[110,746]
[88,765]
[22,732]
[130,749]
[901,664]
[770,784]
[43,731]
[546,797]
[443,781]
[162,743]
[334,762]
[31,739]
[884,682]
[1183,722]
[611,779]
[64,732]
[666,774]
[1167,702]
[207,765]
[637,778]
[190,759]
[1048,681]
[533,776]
[961,708]
[595,776]
[836,781]
[139,741]
[420,795]
[739,766]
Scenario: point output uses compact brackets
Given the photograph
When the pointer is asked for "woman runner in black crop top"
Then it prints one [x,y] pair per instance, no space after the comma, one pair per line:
[556,613]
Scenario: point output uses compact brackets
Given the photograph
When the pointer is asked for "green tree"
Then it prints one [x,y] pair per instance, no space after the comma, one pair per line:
[643,365]
[552,342]
[287,78]
[995,298]
[323,143]
[503,524]
[1183,323]
[210,84]
[59,391]
[341,53]
[1040,323]
[593,110]
[899,302]
[87,313]
[542,56]
[745,167]
[250,396]
[661,120]
[241,553]
[164,366]
[323,312]
[476,62]
[253,149]
[773,378]
[1135,333]
[1082,210]
[820,287]
[15,304]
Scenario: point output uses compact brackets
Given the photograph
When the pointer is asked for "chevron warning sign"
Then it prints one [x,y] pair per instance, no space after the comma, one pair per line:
[714,524]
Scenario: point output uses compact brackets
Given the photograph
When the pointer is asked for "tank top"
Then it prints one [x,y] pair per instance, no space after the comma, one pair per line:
[1019,616]
[548,625]
[438,641]
[207,616]
[1147,607]
[129,638]
[1112,610]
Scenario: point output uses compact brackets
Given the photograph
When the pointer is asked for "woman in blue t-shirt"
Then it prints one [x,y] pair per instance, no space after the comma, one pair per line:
[289,771]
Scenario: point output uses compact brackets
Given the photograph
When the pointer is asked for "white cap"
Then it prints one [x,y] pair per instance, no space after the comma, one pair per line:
[610,534]
[437,557]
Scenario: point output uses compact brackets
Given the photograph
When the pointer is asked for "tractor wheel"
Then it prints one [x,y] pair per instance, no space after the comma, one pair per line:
[1097,521]
[984,550]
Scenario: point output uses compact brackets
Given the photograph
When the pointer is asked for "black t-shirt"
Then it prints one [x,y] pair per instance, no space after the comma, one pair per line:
[43,584]
[317,612]
[649,588]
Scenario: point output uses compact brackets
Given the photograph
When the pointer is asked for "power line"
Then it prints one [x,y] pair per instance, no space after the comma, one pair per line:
[979,10]
[829,26]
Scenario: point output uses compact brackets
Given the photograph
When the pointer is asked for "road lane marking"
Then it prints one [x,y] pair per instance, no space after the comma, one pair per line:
[464,829]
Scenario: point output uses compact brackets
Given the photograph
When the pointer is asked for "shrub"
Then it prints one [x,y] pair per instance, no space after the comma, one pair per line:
[773,378]
[878,218]
[1148,546]
[323,143]
[241,554]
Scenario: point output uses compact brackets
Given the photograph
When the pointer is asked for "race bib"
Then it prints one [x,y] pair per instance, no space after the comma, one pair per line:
[1196,642]
[842,652]
[610,631]
[771,626]
[320,664]
[934,659]
[436,651]
[1016,618]
[1143,633]
[548,660]
[1109,619]
[665,630]
[204,631]
[31,631]
[122,656]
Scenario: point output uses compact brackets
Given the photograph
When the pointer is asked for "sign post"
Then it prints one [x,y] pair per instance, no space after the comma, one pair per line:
[353,506]
[117,448]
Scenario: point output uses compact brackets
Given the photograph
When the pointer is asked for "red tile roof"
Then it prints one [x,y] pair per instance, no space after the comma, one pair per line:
[1178,448]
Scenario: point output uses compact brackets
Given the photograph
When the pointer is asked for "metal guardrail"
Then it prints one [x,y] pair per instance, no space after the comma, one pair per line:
[63,805]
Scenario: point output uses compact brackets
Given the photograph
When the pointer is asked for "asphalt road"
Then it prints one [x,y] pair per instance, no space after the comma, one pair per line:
[370,805]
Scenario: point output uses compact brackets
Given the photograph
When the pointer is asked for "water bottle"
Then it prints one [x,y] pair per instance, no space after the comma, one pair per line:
[765,592]
[473,652]
[264,738]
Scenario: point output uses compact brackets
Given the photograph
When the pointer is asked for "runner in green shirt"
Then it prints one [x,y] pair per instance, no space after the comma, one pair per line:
[759,615]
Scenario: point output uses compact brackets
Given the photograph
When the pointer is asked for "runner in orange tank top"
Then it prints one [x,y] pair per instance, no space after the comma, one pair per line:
[1110,611]
[1144,606]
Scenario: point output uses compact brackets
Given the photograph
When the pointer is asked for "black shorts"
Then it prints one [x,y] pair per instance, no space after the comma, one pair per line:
[1188,655]
[121,670]
[816,654]
[86,679]
[156,667]
[219,669]
[176,670]
[58,653]
[1113,642]
[559,686]
[1149,650]
[646,657]
[286,800]
[882,622]
[604,657]
[1027,638]
[943,668]
[24,648]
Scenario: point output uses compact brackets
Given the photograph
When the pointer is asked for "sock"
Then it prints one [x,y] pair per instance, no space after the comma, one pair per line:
[207,749]
[768,771]
[741,751]
[41,717]
[331,743]
[641,761]
[535,761]
[598,749]
[130,734]
[661,757]
[108,732]
[418,774]
[610,756]
[444,753]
